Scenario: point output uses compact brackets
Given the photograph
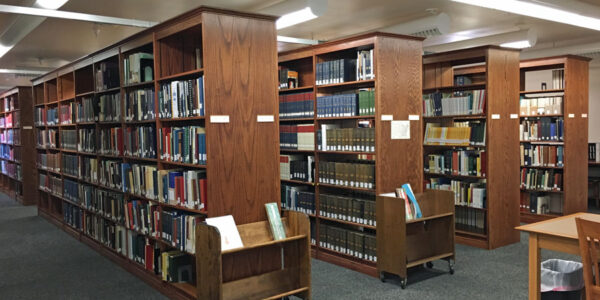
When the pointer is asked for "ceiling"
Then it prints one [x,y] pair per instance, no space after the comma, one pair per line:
[58,41]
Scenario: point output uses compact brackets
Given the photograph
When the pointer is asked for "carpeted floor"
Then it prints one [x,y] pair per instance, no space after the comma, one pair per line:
[40,261]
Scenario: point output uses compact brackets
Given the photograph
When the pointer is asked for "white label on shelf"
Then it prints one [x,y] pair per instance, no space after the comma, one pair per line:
[413,117]
[219,119]
[514,116]
[495,116]
[387,117]
[400,130]
[27,127]
[571,116]
[584,116]
[265,118]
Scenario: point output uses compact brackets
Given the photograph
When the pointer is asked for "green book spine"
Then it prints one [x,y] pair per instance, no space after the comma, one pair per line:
[275,221]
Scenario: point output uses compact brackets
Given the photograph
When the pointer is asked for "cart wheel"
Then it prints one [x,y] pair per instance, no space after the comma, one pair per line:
[403,283]
[451,270]
[382,276]
[429,265]
[451,266]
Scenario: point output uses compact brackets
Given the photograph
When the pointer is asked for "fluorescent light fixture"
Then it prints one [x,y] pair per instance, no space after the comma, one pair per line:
[518,44]
[295,17]
[537,11]
[50,4]
[22,72]
[4,49]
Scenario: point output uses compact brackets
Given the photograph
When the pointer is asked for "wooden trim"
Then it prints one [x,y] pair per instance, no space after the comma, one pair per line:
[462,54]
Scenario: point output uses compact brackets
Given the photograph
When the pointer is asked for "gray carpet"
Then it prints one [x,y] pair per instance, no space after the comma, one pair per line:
[40,261]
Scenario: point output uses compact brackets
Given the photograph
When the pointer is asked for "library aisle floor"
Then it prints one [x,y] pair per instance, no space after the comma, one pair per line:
[39,261]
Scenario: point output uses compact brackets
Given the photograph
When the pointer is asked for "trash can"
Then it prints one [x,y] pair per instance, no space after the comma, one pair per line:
[561,280]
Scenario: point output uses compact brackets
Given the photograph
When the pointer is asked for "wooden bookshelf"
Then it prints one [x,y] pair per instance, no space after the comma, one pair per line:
[16,103]
[495,70]
[574,112]
[242,153]
[397,83]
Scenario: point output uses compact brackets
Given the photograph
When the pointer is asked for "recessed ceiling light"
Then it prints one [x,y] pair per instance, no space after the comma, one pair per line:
[294,18]
[537,11]
[4,49]
[518,44]
[50,4]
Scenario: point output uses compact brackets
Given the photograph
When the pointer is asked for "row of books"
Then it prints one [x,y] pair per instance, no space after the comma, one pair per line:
[140,141]
[542,129]
[8,152]
[11,120]
[297,198]
[70,189]
[11,136]
[11,169]
[453,104]
[87,110]
[458,162]
[540,106]
[470,133]
[297,137]
[47,138]
[470,219]
[143,216]
[107,75]
[70,164]
[52,116]
[183,144]
[537,179]
[346,105]
[359,175]
[466,193]
[107,203]
[180,99]
[68,113]
[49,161]
[297,105]
[39,116]
[86,140]
[594,152]
[297,167]
[179,228]
[348,208]
[333,138]
[111,141]
[288,79]
[558,79]
[72,215]
[336,71]
[11,103]
[139,105]
[539,203]
[109,106]
[542,155]
[354,243]
[138,67]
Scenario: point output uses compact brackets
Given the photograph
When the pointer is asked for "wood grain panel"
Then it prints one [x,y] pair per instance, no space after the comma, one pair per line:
[243,170]
[576,135]
[28,152]
[398,93]
[503,147]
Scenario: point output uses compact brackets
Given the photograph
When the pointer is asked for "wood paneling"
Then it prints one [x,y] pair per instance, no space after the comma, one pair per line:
[398,93]
[240,81]
[576,135]
[503,147]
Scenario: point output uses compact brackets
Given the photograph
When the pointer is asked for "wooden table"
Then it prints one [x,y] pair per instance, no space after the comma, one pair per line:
[558,234]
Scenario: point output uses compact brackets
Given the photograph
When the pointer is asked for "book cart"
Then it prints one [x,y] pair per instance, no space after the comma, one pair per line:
[402,244]
[292,277]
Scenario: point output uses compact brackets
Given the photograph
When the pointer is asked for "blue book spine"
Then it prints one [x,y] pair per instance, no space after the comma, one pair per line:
[411,197]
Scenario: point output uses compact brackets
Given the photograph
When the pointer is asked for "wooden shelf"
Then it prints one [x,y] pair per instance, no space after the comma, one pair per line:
[462,117]
[295,119]
[302,88]
[542,191]
[454,146]
[346,152]
[543,143]
[472,234]
[542,91]
[347,222]
[181,75]
[455,88]
[85,94]
[528,217]
[345,187]
[593,163]
[541,116]
[195,118]
[350,84]
[140,158]
[140,122]
[298,182]
[345,118]
[454,176]
[115,89]
[296,151]
[182,164]
[139,84]
[542,167]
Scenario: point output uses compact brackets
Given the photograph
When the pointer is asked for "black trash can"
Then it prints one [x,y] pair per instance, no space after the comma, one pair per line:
[561,280]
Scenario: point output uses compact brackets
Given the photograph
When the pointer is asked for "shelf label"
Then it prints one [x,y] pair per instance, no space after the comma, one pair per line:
[400,130]
[219,119]
[265,118]
[495,116]
[514,116]
[571,116]
[413,117]
[387,117]
[27,127]
[584,116]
